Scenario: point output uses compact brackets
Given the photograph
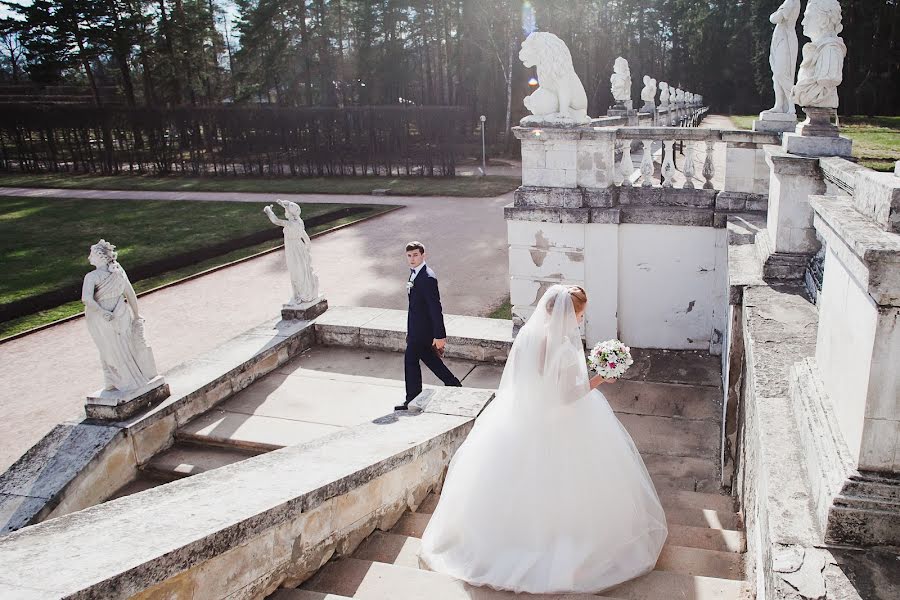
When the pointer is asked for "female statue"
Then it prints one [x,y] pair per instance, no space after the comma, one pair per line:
[111,312]
[620,82]
[783,54]
[304,281]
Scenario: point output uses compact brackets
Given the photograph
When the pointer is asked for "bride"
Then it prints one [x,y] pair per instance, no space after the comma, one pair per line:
[548,493]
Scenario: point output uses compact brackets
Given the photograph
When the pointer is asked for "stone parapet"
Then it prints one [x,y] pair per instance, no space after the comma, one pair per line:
[472,338]
[81,464]
[247,528]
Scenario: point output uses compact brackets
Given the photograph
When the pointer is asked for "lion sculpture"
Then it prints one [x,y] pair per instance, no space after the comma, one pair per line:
[560,98]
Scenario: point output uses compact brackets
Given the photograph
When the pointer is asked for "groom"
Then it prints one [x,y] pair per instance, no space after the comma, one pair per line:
[425,334]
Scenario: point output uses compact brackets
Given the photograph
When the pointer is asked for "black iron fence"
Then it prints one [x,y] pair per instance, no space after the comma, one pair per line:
[270,141]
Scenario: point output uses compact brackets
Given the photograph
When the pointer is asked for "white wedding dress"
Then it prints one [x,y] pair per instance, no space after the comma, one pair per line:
[548,493]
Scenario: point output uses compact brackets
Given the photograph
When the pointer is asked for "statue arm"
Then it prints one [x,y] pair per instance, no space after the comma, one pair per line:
[87,293]
[275,220]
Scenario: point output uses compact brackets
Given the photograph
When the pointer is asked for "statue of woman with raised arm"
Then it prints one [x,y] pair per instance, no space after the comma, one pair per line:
[111,312]
[304,281]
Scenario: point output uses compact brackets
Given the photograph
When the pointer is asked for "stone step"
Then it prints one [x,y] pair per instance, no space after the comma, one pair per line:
[687,473]
[723,505]
[185,459]
[304,595]
[413,523]
[664,399]
[672,436]
[251,432]
[403,551]
[367,580]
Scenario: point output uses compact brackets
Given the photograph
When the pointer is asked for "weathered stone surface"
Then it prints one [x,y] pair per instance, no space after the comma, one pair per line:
[869,253]
[123,406]
[188,522]
[56,458]
[877,196]
[665,215]
[304,311]
[458,402]
[667,197]
[840,175]
[805,145]
[526,196]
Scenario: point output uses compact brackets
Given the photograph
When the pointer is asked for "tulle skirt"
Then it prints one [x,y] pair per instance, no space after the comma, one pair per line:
[546,503]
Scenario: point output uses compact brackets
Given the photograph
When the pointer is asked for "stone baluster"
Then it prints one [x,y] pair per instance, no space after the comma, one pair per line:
[689,166]
[627,164]
[668,166]
[647,163]
[709,170]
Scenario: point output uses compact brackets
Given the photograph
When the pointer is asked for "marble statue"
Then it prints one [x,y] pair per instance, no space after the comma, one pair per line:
[823,56]
[679,96]
[783,55]
[304,281]
[560,97]
[648,94]
[663,94]
[620,82]
[113,320]
[672,95]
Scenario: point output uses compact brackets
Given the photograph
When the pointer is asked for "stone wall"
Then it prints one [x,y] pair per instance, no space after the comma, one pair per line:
[243,530]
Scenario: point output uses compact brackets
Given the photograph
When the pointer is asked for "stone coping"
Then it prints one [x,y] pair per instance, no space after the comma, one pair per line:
[79,464]
[871,254]
[841,172]
[472,338]
[133,543]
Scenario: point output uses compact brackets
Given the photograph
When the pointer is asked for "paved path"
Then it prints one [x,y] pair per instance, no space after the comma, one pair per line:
[46,375]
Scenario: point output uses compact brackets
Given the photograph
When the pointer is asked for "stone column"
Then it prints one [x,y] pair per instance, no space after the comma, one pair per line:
[847,399]
[790,238]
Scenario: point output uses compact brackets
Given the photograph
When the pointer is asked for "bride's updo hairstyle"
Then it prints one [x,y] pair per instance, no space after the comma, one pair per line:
[576,293]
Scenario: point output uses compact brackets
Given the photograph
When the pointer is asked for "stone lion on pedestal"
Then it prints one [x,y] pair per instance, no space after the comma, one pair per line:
[560,99]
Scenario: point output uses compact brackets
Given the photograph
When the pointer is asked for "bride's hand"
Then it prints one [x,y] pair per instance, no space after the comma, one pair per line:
[596,380]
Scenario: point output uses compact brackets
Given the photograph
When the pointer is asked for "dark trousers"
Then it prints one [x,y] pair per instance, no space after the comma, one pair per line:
[422,351]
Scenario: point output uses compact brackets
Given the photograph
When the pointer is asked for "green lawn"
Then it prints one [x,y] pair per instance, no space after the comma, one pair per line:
[473,187]
[876,140]
[504,311]
[44,242]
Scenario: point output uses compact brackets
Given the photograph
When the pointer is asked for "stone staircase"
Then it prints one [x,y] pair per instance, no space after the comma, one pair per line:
[324,390]
[671,406]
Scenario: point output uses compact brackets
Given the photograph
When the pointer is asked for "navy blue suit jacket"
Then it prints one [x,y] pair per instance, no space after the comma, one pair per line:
[425,320]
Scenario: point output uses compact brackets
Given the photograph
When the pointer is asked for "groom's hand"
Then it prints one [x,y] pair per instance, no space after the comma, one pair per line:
[439,344]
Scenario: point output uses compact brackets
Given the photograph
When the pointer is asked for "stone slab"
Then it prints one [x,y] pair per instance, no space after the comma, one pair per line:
[664,400]
[459,402]
[877,196]
[840,173]
[686,367]
[117,406]
[804,145]
[304,311]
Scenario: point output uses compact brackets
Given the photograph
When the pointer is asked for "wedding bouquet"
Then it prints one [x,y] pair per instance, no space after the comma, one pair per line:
[610,359]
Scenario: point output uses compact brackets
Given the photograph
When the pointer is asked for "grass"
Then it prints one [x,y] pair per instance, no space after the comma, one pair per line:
[473,187]
[876,140]
[504,311]
[144,231]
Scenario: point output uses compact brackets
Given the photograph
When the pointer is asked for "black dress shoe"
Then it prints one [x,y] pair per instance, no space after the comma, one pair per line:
[401,407]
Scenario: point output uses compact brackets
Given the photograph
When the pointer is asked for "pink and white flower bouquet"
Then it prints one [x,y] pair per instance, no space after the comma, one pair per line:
[610,359]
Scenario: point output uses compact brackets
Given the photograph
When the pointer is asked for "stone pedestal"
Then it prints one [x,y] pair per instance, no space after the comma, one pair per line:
[773,122]
[817,136]
[790,238]
[116,406]
[305,311]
